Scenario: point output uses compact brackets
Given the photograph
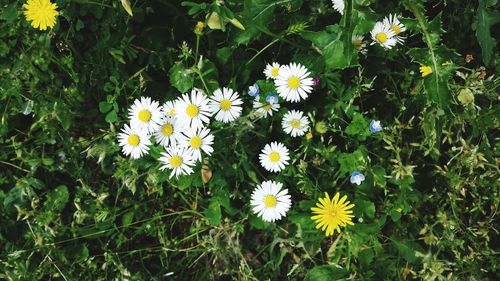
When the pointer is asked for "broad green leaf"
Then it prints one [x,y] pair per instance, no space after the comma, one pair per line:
[326,273]
[181,77]
[332,43]
[10,13]
[104,107]
[486,18]
[213,212]
[111,117]
[407,250]
[365,207]
[359,127]
[127,218]
[57,198]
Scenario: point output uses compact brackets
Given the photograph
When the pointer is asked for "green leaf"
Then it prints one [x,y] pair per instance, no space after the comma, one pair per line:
[79,25]
[181,77]
[365,207]
[10,13]
[407,249]
[486,18]
[127,218]
[379,175]
[111,117]
[331,42]
[326,273]
[359,127]
[213,212]
[57,199]
[104,107]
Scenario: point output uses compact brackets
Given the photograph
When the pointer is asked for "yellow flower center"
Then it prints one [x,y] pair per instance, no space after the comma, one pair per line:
[270,201]
[333,213]
[275,71]
[225,104]
[192,110]
[167,130]
[295,123]
[175,161]
[274,156]
[381,37]
[133,140]
[267,107]
[144,115]
[195,142]
[293,82]
[396,29]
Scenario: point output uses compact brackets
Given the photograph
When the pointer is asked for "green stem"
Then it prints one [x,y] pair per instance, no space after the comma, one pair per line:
[263,49]
[196,50]
[202,80]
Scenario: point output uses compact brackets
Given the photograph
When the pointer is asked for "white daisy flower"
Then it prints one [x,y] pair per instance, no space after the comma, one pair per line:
[396,26]
[274,157]
[134,142]
[145,115]
[169,131]
[293,83]
[225,105]
[193,111]
[338,5]
[359,43]
[295,123]
[263,109]
[178,159]
[383,35]
[196,141]
[169,108]
[273,70]
[270,202]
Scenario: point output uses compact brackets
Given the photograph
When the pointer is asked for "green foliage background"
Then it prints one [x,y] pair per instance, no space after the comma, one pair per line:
[72,207]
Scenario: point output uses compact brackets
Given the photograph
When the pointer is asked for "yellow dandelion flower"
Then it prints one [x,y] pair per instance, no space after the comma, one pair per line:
[425,70]
[331,214]
[41,13]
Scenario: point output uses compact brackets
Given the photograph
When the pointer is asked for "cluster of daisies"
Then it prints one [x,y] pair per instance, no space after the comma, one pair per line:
[180,126]
[269,200]
[386,33]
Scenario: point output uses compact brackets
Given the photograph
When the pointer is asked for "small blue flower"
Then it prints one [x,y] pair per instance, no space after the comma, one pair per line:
[272,98]
[357,178]
[375,126]
[253,90]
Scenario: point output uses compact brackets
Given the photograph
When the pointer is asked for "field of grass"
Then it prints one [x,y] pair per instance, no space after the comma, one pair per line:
[399,115]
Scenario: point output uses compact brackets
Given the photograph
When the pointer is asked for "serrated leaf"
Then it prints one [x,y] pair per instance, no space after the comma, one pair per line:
[486,18]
